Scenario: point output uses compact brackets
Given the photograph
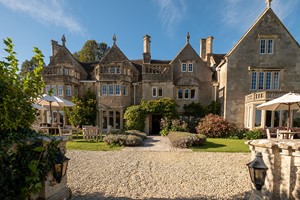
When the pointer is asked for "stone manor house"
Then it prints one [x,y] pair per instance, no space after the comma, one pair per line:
[264,64]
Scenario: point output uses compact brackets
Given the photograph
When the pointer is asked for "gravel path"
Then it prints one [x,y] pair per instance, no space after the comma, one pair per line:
[158,175]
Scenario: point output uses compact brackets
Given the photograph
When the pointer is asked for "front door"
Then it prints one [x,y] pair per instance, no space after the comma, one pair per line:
[156,124]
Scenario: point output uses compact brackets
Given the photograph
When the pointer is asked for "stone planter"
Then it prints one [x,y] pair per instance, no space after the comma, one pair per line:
[283,160]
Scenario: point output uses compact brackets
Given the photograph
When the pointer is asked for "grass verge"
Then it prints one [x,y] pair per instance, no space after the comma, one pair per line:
[223,145]
[81,144]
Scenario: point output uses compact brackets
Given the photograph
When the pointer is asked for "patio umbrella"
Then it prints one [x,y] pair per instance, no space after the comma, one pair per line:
[54,101]
[37,106]
[289,101]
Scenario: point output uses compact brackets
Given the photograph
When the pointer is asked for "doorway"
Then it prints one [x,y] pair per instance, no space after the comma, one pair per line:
[156,124]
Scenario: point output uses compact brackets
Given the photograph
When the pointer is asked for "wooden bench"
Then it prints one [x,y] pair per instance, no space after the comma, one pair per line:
[66,131]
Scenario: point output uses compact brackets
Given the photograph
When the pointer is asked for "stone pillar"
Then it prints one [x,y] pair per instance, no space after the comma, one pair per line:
[101,119]
[107,120]
[296,154]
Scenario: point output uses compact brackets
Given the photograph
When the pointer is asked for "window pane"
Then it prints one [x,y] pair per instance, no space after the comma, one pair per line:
[118,92]
[104,90]
[68,90]
[193,94]
[60,90]
[179,94]
[276,81]
[270,46]
[257,118]
[183,67]
[111,89]
[253,81]
[186,94]
[118,70]
[112,70]
[154,92]
[125,90]
[190,67]
[263,46]
[160,91]
[261,80]
[268,80]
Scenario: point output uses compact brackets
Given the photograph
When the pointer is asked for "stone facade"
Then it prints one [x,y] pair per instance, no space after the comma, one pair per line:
[264,64]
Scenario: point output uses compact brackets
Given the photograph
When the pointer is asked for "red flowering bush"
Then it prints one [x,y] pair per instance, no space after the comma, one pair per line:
[214,126]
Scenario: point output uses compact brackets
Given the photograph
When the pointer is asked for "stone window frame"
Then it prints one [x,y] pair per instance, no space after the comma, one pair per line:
[154,91]
[190,67]
[68,90]
[274,80]
[266,43]
[104,89]
[111,90]
[183,67]
[117,90]
[60,90]
[125,90]
[182,92]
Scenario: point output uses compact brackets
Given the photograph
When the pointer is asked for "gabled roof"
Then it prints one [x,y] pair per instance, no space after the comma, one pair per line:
[264,14]
[187,48]
[114,54]
[63,55]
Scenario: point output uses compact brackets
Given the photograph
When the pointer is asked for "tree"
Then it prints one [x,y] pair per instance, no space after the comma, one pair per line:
[84,113]
[28,66]
[18,94]
[91,51]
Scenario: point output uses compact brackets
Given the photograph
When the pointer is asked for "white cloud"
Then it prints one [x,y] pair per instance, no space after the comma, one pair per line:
[171,13]
[46,12]
[241,14]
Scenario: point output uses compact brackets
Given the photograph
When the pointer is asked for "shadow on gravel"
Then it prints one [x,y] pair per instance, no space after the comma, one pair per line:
[99,196]
[149,142]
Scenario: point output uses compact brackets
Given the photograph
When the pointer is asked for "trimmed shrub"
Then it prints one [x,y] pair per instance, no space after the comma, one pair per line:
[133,140]
[140,134]
[123,140]
[253,134]
[214,126]
[238,133]
[185,139]
[168,125]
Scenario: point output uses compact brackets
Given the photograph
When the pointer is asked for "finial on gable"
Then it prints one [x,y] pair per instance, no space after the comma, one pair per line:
[268,3]
[63,39]
[188,38]
[114,38]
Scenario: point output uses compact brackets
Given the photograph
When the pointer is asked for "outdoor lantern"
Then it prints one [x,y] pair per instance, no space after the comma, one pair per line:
[258,171]
[60,167]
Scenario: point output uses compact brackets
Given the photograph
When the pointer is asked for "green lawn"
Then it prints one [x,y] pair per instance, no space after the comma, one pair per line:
[223,145]
[81,144]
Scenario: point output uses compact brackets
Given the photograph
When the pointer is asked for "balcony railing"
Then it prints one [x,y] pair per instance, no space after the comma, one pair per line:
[263,96]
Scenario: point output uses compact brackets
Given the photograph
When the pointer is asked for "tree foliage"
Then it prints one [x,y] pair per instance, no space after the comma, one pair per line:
[135,118]
[18,94]
[84,113]
[28,66]
[91,51]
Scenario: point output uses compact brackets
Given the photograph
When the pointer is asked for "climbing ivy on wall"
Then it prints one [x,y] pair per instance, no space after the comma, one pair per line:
[135,115]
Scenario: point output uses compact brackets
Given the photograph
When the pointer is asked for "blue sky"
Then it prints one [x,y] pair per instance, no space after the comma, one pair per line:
[34,23]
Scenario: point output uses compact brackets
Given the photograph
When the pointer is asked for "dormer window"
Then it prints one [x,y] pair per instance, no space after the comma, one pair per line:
[266,46]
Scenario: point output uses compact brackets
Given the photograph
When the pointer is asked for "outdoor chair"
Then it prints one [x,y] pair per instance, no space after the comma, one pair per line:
[66,131]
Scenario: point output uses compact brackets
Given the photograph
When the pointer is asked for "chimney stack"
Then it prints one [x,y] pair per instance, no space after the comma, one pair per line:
[206,47]
[146,53]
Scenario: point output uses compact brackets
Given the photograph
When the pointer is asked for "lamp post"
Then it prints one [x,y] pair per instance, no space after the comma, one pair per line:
[258,171]
[60,167]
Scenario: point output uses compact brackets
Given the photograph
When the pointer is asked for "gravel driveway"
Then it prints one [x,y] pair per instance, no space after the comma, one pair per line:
[158,175]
